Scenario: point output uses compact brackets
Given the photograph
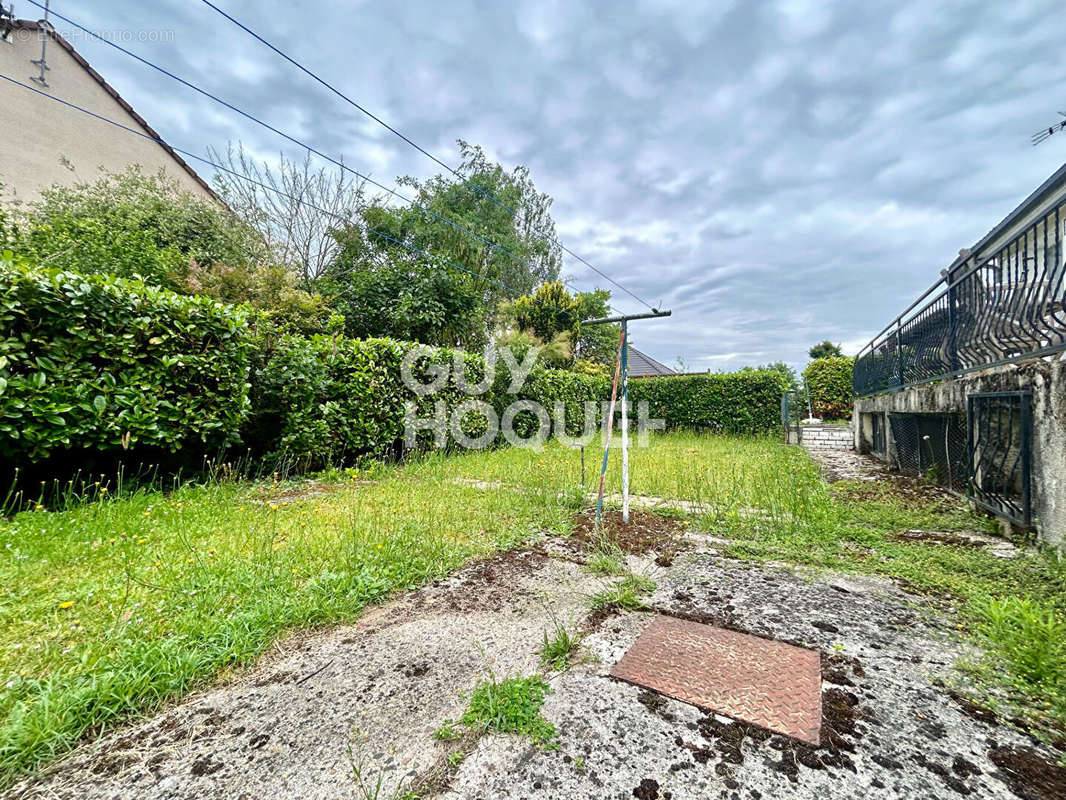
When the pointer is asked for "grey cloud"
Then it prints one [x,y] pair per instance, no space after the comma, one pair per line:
[779,172]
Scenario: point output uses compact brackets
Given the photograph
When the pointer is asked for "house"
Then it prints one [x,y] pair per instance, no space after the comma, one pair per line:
[967,386]
[641,365]
[46,142]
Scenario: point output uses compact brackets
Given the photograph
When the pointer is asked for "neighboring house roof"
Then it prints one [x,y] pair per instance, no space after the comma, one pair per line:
[641,365]
[30,25]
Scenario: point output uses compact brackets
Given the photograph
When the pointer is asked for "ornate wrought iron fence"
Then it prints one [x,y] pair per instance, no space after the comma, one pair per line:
[1006,307]
[999,428]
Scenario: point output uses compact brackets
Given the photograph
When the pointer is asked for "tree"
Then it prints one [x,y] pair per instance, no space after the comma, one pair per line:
[525,254]
[294,206]
[784,369]
[826,349]
[552,312]
[383,289]
[131,224]
[547,312]
[596,343]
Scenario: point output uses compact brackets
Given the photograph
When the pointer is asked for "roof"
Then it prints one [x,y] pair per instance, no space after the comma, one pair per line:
[30,25]
[641,365]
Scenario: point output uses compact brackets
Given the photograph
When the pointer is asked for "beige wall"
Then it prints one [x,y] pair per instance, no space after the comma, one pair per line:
[43,142]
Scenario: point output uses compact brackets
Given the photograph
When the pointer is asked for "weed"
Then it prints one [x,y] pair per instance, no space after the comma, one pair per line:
[456,758]
[555,653]
[1030,638]
[606,561]
[512,706]
[447,732]
[627,594]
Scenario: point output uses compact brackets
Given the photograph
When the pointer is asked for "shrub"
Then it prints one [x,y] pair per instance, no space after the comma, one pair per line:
[325,399]
[135,226]
[747,401]
[95,361]
[830,386]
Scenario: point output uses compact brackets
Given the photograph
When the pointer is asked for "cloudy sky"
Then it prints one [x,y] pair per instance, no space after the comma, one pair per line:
[776,173]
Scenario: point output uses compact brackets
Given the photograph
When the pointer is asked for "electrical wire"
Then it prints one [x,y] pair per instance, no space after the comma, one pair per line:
[338,163]
[420,149]
[276,191]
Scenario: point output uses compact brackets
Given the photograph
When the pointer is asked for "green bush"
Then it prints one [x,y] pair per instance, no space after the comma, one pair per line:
[830,386]
[132,225]
[747,401]
[95,361]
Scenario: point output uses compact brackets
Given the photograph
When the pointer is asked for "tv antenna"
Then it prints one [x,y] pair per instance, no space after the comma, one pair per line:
[1041,135]
[42,63]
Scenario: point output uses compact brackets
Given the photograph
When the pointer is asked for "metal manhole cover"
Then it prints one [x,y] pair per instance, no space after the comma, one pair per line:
[770,684]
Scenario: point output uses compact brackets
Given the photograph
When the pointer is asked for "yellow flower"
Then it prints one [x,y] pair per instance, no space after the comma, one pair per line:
[66,604]
[273,506]
[379,545]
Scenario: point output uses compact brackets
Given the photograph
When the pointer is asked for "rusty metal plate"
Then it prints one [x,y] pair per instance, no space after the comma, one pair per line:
[770,684]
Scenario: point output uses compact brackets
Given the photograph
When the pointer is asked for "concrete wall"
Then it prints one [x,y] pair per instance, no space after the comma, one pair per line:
[1046,379]
[46,143]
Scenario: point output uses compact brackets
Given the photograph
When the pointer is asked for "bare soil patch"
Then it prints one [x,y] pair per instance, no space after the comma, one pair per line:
[645,532]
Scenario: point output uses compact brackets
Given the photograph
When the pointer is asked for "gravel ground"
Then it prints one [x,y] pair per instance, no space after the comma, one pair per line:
[367,698]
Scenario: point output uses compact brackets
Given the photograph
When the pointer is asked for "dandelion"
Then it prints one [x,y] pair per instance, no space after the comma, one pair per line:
[66,604]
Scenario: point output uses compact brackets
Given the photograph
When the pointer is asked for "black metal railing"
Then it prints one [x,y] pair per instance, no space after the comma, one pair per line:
[1002,308]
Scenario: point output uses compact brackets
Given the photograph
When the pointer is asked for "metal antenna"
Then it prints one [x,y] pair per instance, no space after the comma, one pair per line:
[42,62]
[1040,136]
[7,21]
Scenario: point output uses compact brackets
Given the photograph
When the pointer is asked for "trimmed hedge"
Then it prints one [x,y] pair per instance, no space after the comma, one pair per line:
[747,401]
[99,362]
[102,364]
[321,400]
[829,381]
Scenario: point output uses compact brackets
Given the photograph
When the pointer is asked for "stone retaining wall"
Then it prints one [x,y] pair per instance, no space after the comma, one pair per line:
[828,437]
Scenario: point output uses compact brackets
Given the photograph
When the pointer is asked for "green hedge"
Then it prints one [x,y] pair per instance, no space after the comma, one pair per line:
[102,364]
[830,385]
[99,362]
[747,401]
[322,400]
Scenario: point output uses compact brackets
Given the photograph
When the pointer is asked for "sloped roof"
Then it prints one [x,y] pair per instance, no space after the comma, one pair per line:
[641,365]
[30,25]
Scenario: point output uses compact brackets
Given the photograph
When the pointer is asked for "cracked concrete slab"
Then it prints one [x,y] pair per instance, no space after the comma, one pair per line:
[369,697]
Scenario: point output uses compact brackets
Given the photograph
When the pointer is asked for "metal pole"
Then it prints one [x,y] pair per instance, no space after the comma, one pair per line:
[610,426]
[625,422]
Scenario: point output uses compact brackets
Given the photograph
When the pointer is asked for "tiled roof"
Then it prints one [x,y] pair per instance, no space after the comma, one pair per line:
[642,365]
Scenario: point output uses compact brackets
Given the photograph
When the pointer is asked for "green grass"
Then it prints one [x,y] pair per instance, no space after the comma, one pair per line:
[511,706]
[109,609]
[556,652]
[627,594]
[606,560]
[113,607]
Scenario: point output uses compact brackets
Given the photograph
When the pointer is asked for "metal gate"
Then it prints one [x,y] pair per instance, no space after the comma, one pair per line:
[932,447]
[791,415]
[999,430]
[878,440]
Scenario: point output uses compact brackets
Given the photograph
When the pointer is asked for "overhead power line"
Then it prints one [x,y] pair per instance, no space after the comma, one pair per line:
[1045,133]
[275,190]
[417,147]
[299,143]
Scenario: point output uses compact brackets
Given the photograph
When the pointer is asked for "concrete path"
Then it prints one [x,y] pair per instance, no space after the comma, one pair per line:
[330,714]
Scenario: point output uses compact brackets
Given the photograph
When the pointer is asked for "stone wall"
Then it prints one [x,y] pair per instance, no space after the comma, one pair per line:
[828,437]
[1045,378]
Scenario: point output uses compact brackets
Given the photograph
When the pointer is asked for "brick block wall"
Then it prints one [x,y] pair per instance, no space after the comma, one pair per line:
[828,437]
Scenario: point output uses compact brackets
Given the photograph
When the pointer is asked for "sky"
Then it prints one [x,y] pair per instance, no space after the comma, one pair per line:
[775,173]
